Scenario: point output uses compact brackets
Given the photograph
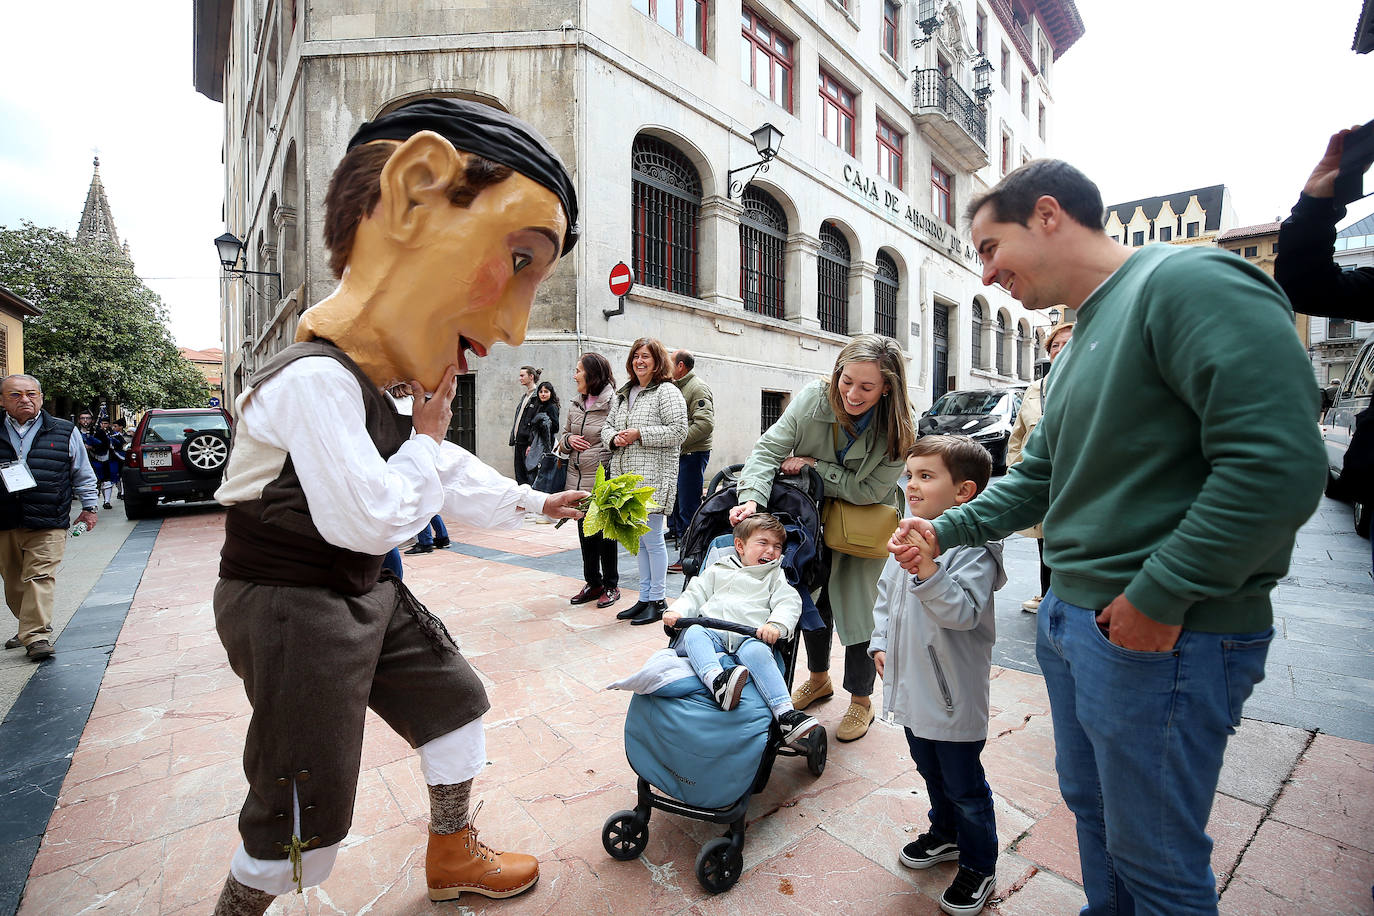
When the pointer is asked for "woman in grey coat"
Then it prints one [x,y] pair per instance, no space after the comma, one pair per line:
[854,429]
[645,433]
[581,442]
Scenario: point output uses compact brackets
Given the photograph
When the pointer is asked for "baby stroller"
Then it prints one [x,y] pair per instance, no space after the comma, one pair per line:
[706,763]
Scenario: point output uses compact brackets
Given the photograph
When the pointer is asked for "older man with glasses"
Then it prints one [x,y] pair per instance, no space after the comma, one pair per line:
[43,464]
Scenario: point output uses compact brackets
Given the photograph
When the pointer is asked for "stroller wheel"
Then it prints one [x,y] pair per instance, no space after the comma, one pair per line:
[624,835]
[816,753]
[719,865]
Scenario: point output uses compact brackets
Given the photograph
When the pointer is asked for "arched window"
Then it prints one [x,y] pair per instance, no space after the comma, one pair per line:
[1003,346]
[976,334]
[832,270]
[667,204]
[885,296]
[1021,351]
[762,238]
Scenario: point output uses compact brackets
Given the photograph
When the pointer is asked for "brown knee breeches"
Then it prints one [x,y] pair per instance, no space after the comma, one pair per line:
[312,662]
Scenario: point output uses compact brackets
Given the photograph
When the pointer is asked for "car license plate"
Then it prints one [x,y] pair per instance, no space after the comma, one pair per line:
[157,459]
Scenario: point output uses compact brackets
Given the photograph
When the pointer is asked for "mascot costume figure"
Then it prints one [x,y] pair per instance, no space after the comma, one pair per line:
[442,220]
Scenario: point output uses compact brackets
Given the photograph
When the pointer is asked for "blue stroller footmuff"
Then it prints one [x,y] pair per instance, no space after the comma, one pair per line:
[681,741]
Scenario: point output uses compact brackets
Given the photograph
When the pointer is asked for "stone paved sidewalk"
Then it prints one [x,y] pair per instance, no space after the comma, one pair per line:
[145,819]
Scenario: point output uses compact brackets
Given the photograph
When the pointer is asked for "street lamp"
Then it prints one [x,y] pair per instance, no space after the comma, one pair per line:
[767,141]
[927,20]
[982,79]
[230,248]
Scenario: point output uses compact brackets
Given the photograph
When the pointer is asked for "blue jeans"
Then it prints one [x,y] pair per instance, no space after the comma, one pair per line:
[392,561]
[703,647]
[960,800]
[425,539]
[1139,738]
[691,473]
[653,561]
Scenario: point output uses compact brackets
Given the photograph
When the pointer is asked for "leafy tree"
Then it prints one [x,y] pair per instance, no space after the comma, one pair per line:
[102,333]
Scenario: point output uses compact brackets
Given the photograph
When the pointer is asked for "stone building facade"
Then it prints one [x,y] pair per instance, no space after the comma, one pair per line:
[855,226]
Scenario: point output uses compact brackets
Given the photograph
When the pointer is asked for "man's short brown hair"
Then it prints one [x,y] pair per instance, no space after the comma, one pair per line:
[1013,199]
[356,187]
[761,521]
[963,458]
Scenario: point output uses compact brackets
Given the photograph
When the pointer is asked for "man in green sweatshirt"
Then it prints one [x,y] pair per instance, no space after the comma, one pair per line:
[1176,459]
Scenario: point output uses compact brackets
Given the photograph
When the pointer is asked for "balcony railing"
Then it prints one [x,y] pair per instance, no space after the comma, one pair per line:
[936,92]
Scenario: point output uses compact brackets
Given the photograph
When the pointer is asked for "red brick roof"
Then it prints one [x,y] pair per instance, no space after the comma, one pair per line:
[212,355]
[1248,232]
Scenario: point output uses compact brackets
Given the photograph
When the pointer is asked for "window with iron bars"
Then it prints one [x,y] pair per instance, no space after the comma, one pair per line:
[1021,352]
[832,267]
[885,296]
[976,330]
[666,192]
[762,238]
[462,429]
[770,410]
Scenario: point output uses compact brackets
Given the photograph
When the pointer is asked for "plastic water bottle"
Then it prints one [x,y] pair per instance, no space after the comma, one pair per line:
[79,529]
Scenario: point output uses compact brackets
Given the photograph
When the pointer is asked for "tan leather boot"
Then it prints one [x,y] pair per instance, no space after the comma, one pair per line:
[459,862]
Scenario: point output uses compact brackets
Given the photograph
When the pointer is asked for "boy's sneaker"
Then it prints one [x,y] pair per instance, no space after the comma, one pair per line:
[796,725]
[729,685]
[927,850]
[968,894]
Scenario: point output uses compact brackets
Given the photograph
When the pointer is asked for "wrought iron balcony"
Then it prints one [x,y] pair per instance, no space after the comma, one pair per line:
[950,116]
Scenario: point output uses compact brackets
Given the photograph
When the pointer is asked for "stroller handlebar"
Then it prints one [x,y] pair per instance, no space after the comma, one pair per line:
[715,624]
[814,483]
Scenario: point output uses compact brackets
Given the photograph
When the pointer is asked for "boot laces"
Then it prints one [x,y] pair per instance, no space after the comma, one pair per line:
[473,843]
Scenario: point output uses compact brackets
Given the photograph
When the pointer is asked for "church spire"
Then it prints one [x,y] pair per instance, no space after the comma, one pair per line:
[97,223]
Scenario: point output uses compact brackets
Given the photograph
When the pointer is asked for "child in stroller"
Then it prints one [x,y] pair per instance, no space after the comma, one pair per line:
[749,588]
[693,758]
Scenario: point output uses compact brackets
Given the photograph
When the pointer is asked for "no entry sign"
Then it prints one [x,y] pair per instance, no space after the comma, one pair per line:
[622,278]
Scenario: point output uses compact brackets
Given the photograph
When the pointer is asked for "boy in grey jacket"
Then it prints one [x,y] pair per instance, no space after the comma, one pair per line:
[750,588]
[932,645]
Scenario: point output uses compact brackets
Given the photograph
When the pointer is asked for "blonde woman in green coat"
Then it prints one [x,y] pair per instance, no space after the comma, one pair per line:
[855,429]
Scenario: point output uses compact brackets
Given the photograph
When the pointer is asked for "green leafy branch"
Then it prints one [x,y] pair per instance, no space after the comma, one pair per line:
[619,509]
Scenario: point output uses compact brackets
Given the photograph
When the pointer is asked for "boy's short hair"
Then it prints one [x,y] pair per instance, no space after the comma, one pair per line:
[761,521]
[964,458]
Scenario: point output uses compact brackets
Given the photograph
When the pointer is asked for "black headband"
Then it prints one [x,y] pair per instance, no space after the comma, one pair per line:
[488,132]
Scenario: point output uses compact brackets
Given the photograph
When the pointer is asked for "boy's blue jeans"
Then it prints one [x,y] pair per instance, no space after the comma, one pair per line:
[1139,739]
[960,800]
[703,647]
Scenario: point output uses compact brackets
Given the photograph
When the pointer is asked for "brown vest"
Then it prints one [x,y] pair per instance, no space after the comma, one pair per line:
[272,540]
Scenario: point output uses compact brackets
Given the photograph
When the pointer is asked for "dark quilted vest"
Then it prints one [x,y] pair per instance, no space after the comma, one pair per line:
[49,505]
[272,540]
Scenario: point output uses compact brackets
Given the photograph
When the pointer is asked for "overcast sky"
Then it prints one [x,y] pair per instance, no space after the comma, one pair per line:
[1154,99]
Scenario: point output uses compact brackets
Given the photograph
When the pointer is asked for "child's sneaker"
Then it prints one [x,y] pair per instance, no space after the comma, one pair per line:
[928,850]
[729,685]
[796,725]
[969,892]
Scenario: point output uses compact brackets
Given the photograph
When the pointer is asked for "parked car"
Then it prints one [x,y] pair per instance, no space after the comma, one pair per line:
[175,454]
[984,414]
[1338,424]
